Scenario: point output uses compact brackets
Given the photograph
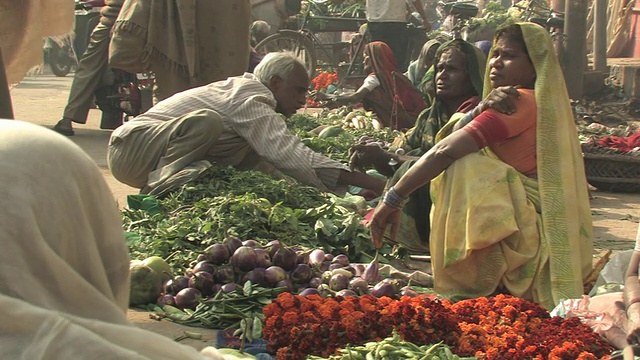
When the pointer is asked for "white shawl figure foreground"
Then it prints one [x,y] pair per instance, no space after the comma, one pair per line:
[64,267]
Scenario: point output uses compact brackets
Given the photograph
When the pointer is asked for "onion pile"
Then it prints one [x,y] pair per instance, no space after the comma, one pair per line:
[336,276]
[227,265]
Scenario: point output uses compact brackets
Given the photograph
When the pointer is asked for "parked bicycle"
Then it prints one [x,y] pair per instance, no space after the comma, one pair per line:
[309,48]
[456,16]
[304,41]
[539,12]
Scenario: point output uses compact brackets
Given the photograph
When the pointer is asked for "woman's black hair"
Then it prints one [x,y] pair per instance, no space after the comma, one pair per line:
[513,32]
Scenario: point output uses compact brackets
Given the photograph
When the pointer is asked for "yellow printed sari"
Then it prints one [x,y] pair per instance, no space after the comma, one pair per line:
[493,229]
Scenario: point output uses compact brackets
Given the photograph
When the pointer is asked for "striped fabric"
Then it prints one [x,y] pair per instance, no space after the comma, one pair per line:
[252,132]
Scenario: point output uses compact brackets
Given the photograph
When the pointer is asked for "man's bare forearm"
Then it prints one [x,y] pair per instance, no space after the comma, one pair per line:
[362,180]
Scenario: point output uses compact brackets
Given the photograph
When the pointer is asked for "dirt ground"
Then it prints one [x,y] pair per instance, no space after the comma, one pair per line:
[41,99]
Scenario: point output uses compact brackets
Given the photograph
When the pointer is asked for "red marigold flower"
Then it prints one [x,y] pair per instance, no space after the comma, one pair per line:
[286,300]
[290,318]
[272,309]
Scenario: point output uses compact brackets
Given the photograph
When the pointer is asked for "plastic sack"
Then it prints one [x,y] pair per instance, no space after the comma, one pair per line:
[611,278]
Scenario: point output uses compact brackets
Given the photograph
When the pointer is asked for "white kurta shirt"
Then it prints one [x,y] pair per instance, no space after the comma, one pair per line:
[252,130]
[386,10]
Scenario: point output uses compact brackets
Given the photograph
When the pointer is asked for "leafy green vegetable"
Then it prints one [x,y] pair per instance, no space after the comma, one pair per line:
[394,347]
[251,205]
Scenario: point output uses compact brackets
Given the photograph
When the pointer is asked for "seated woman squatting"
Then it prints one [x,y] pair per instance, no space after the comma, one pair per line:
[385,91]
[459,72]
[510,204]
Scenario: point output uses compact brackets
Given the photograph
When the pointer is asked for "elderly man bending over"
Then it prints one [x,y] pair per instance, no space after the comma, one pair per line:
[230,122]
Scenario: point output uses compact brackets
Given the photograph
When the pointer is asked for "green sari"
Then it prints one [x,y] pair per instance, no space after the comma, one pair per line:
[414,228]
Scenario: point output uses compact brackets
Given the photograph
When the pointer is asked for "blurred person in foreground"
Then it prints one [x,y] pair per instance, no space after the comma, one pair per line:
[238,121]
[64,280]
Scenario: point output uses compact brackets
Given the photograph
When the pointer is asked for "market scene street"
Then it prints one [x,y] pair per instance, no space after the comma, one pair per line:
[324,180]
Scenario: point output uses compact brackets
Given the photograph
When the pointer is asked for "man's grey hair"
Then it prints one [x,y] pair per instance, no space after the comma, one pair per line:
[280,64]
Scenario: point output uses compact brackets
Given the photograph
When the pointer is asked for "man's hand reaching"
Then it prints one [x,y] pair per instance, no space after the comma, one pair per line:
[500,100]
[365,156]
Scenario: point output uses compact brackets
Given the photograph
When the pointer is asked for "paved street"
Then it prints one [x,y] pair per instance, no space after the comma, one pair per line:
[41,99]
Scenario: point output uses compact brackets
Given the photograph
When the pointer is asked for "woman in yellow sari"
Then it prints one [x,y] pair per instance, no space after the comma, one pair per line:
[510,205]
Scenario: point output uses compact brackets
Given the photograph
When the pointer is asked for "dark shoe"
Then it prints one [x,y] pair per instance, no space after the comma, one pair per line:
[111,120]
[66,131]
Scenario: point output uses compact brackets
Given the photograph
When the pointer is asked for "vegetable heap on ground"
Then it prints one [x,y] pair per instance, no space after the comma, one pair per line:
[500,327]
[227,281]
[255,206]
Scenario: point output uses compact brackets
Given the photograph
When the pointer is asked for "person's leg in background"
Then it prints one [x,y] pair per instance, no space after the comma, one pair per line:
[393,34]
[148,157]
[87,78]
[6,108]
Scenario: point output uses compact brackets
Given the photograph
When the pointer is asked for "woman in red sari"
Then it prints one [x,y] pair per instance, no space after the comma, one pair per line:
[385,91]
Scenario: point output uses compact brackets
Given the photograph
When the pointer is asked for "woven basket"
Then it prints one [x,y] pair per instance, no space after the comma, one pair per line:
[610,169]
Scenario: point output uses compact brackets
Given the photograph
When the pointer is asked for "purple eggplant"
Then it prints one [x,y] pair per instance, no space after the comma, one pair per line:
[341,259]
[383,288]
[371,274]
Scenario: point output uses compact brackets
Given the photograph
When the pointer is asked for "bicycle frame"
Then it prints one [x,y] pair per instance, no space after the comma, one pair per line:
[550,19]
[460,12]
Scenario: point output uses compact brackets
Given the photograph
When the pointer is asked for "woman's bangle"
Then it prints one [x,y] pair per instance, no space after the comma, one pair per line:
[393,199]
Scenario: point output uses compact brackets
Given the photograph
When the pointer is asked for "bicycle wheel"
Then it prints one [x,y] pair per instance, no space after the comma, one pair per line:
[295,42]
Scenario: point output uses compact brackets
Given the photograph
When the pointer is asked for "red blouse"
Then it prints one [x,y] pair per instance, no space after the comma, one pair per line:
[511,137]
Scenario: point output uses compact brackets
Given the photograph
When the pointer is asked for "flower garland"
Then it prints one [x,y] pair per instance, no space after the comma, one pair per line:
[500,327]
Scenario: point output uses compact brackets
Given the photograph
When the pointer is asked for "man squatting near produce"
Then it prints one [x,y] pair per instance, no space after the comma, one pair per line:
[234,122]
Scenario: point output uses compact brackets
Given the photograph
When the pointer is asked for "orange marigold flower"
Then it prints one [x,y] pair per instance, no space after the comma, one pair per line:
[272,309]
[585,355]
[286,300]
[290,318]
[309,317]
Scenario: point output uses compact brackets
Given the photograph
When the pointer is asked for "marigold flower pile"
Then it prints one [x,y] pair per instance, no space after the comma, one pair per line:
[322,82]
[500,327]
